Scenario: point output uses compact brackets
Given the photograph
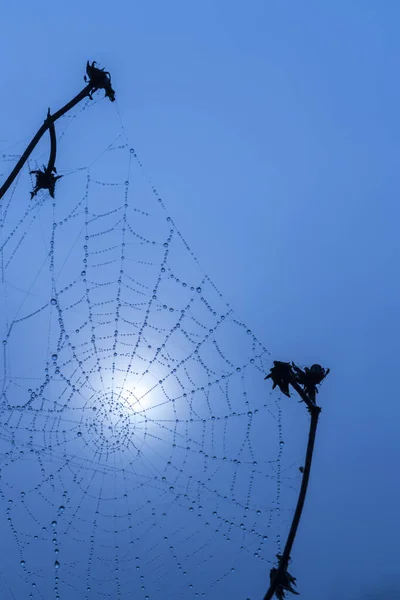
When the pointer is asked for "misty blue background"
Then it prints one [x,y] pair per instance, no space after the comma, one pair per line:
[271,131]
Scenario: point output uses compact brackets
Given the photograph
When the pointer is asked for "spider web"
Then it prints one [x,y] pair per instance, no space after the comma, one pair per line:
[141,451]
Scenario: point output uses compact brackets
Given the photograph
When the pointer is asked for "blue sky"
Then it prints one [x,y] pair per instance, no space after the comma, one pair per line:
[271,131]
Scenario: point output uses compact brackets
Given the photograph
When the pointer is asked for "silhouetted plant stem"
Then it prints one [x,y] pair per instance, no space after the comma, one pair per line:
[53,145]
[283,563]
[46,125]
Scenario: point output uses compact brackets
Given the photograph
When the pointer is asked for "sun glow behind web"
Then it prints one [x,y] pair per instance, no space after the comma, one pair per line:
[140,450]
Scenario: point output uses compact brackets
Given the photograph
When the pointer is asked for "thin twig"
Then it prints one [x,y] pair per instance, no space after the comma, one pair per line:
[283,563]
[53,145]
[46,125]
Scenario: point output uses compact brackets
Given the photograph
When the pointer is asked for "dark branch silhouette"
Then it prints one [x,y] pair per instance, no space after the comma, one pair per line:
[310,378]
[99,79]
[98,82]
[53,144]
[41,131]
[285,583]
[283,375]
[45,179]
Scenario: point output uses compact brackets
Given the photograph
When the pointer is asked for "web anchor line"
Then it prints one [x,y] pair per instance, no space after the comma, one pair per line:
[97,79]
[305,384]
